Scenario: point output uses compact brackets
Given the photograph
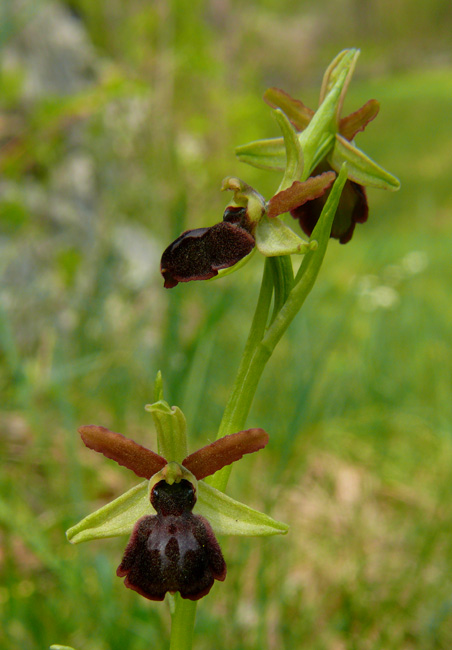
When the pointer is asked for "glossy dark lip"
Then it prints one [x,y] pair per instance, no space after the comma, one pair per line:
[174,550]
[199,254]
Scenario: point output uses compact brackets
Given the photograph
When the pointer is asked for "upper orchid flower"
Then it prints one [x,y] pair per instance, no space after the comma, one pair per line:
[314,146]
[329,152]
[248,222]
[172,548]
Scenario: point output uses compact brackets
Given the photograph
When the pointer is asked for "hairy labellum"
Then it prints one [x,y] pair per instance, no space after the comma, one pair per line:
[199,254]
[174,550]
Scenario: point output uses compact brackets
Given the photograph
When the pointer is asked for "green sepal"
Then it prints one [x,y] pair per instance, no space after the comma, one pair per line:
[294,154]
[345,59]
[318,138]
[116,518]
[225,515]
[361,168]
[171,427]
[230,517]
[57,646]
[267,154]
[273,237]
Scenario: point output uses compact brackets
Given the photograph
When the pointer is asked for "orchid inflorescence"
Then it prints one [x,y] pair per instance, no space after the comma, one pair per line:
[173,517]
[312,150]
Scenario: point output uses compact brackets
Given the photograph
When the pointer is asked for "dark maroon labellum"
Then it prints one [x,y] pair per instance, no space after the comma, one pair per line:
[199,254]
[173,550]
[352,209]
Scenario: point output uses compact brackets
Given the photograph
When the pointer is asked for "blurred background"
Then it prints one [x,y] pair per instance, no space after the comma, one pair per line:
[118,121]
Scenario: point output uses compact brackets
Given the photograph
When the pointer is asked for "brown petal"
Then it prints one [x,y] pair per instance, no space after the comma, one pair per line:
[298,193]
[298,114]
[355,122]
[226,450]
[144,462]
[199,254]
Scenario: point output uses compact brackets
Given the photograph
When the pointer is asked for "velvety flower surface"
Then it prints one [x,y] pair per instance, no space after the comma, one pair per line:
[174,550]
[199,254]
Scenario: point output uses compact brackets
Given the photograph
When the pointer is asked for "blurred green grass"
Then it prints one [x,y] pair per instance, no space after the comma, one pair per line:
[356,398]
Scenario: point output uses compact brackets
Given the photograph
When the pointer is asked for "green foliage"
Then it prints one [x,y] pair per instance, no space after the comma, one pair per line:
[94,185]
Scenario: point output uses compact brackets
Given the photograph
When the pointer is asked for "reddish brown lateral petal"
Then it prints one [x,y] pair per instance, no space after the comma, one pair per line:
[227,450]
[355,122]
[199,254]
[144,462]
[298,193]
[299,114]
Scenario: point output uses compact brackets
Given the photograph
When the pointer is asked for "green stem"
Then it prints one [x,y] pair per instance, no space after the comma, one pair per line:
[182,623]
[256,357]
[283,281]
[255,335]
[258,349]
[183,617]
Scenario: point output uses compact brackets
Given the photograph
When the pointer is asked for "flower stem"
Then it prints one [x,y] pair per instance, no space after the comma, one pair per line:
[261,343]
[182,623]
[257,330]
[290,295]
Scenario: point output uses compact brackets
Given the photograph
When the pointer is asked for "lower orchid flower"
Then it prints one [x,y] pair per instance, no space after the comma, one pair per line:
[172,548]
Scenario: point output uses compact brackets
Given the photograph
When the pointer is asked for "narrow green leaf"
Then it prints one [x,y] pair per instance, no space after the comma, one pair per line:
[361,168]
[116,518]
[229,517]
[312,261]
[158,387]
